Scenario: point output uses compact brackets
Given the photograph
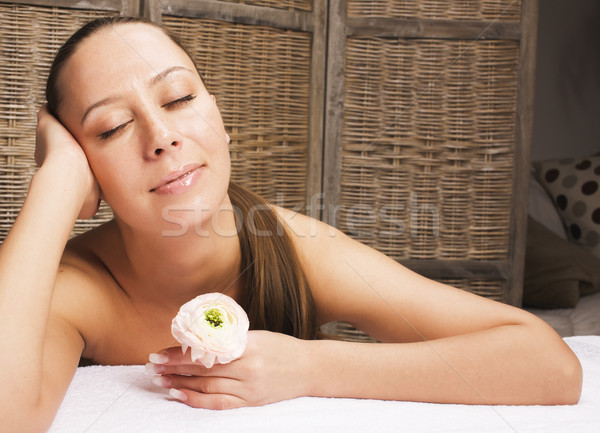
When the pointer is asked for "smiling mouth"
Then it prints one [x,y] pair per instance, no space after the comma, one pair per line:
[173,180]
[176,179]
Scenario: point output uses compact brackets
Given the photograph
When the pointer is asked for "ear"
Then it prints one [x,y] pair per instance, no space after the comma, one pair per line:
[213,98]
[227,138]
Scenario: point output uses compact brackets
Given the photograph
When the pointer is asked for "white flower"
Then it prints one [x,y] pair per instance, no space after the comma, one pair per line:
[214,326]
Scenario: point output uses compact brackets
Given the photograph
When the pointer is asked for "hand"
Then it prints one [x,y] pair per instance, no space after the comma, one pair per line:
[55,143]
[274,367]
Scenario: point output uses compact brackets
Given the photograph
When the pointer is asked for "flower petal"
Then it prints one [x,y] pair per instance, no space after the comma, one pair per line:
[217,336]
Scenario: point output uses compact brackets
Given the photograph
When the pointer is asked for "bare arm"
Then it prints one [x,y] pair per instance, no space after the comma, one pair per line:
[39,350]
[458,347]
[439,344]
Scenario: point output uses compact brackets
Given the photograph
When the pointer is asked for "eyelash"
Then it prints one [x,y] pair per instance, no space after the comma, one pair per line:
[113,132]
[173,104]
[178,102]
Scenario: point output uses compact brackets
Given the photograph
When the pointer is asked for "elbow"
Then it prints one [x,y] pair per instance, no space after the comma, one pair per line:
[563,379]
[558,372]
[571,375]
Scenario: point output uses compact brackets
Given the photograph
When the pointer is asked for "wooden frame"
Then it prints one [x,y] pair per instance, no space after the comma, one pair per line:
[125,7]
[523,139]
[314,22]
[341,27]
[230,12]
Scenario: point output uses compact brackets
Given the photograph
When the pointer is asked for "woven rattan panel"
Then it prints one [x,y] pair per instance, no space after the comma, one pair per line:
[29,37]
[428,145]
[291,5]
[487,10]
[260,77]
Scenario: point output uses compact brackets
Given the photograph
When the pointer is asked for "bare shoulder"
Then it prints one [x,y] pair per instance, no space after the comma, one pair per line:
[81,264]
[314,240]
[304,227]
[320,244]
[328,258]
[80,296]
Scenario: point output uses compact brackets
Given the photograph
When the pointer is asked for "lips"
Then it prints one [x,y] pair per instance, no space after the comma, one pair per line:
[179,181]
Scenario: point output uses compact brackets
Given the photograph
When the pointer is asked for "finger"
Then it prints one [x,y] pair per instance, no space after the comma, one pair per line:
[39,153]
[44,116]
[217,370]
[42,111]
[172,355]
[207,401]
[204,385]
[90,208]
[173,361]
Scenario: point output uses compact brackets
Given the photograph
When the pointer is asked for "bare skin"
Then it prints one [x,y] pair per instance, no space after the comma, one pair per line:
[110,295]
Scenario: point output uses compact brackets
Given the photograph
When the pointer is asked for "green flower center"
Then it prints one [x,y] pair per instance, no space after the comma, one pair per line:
[214,317]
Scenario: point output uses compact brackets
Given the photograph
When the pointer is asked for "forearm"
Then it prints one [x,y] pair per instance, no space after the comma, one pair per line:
[29,259]
[503,365]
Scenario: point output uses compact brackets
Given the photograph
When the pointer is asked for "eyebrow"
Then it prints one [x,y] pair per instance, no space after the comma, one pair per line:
[153,82]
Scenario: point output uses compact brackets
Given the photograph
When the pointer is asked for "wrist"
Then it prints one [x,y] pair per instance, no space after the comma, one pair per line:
[69,162]
[67,171]
[339,369]
[317,377]
[61,184]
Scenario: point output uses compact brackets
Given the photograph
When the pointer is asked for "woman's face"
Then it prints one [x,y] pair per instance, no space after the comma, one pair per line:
[152,133]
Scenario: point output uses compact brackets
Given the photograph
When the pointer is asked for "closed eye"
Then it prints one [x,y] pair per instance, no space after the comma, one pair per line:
[114,132]
[179,102]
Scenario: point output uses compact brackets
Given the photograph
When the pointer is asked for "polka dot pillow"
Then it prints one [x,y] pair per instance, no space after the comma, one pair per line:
[574,185]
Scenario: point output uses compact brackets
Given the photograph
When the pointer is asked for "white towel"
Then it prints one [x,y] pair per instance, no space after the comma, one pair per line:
[105,399]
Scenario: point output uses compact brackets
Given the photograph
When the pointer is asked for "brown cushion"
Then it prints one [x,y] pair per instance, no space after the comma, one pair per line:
[557,272]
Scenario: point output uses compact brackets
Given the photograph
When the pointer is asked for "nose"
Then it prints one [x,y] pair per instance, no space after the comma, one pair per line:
[159,139]
[160,149]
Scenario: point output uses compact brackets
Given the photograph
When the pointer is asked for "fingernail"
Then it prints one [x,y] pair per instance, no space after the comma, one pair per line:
[154,369]
[175,393]
[158,358]
[163,382]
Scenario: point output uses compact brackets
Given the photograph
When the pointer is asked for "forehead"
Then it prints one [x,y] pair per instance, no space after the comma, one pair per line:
[116,58]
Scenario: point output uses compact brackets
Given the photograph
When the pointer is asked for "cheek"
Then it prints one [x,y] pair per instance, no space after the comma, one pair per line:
[210,135]
[222,162]
[112,174]
[227,162]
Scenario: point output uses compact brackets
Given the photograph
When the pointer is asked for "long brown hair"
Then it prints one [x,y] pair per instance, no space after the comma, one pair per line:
[276,294]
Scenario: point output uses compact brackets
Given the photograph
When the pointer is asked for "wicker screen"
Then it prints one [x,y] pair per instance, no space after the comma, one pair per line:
[428,141]
[428,149]
[29,38]
[260,77]
[291,5]
[486,10]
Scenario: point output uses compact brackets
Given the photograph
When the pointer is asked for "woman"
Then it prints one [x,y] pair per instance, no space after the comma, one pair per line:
[142,132]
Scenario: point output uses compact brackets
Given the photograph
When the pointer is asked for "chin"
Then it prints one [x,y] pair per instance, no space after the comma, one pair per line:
[201,216]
